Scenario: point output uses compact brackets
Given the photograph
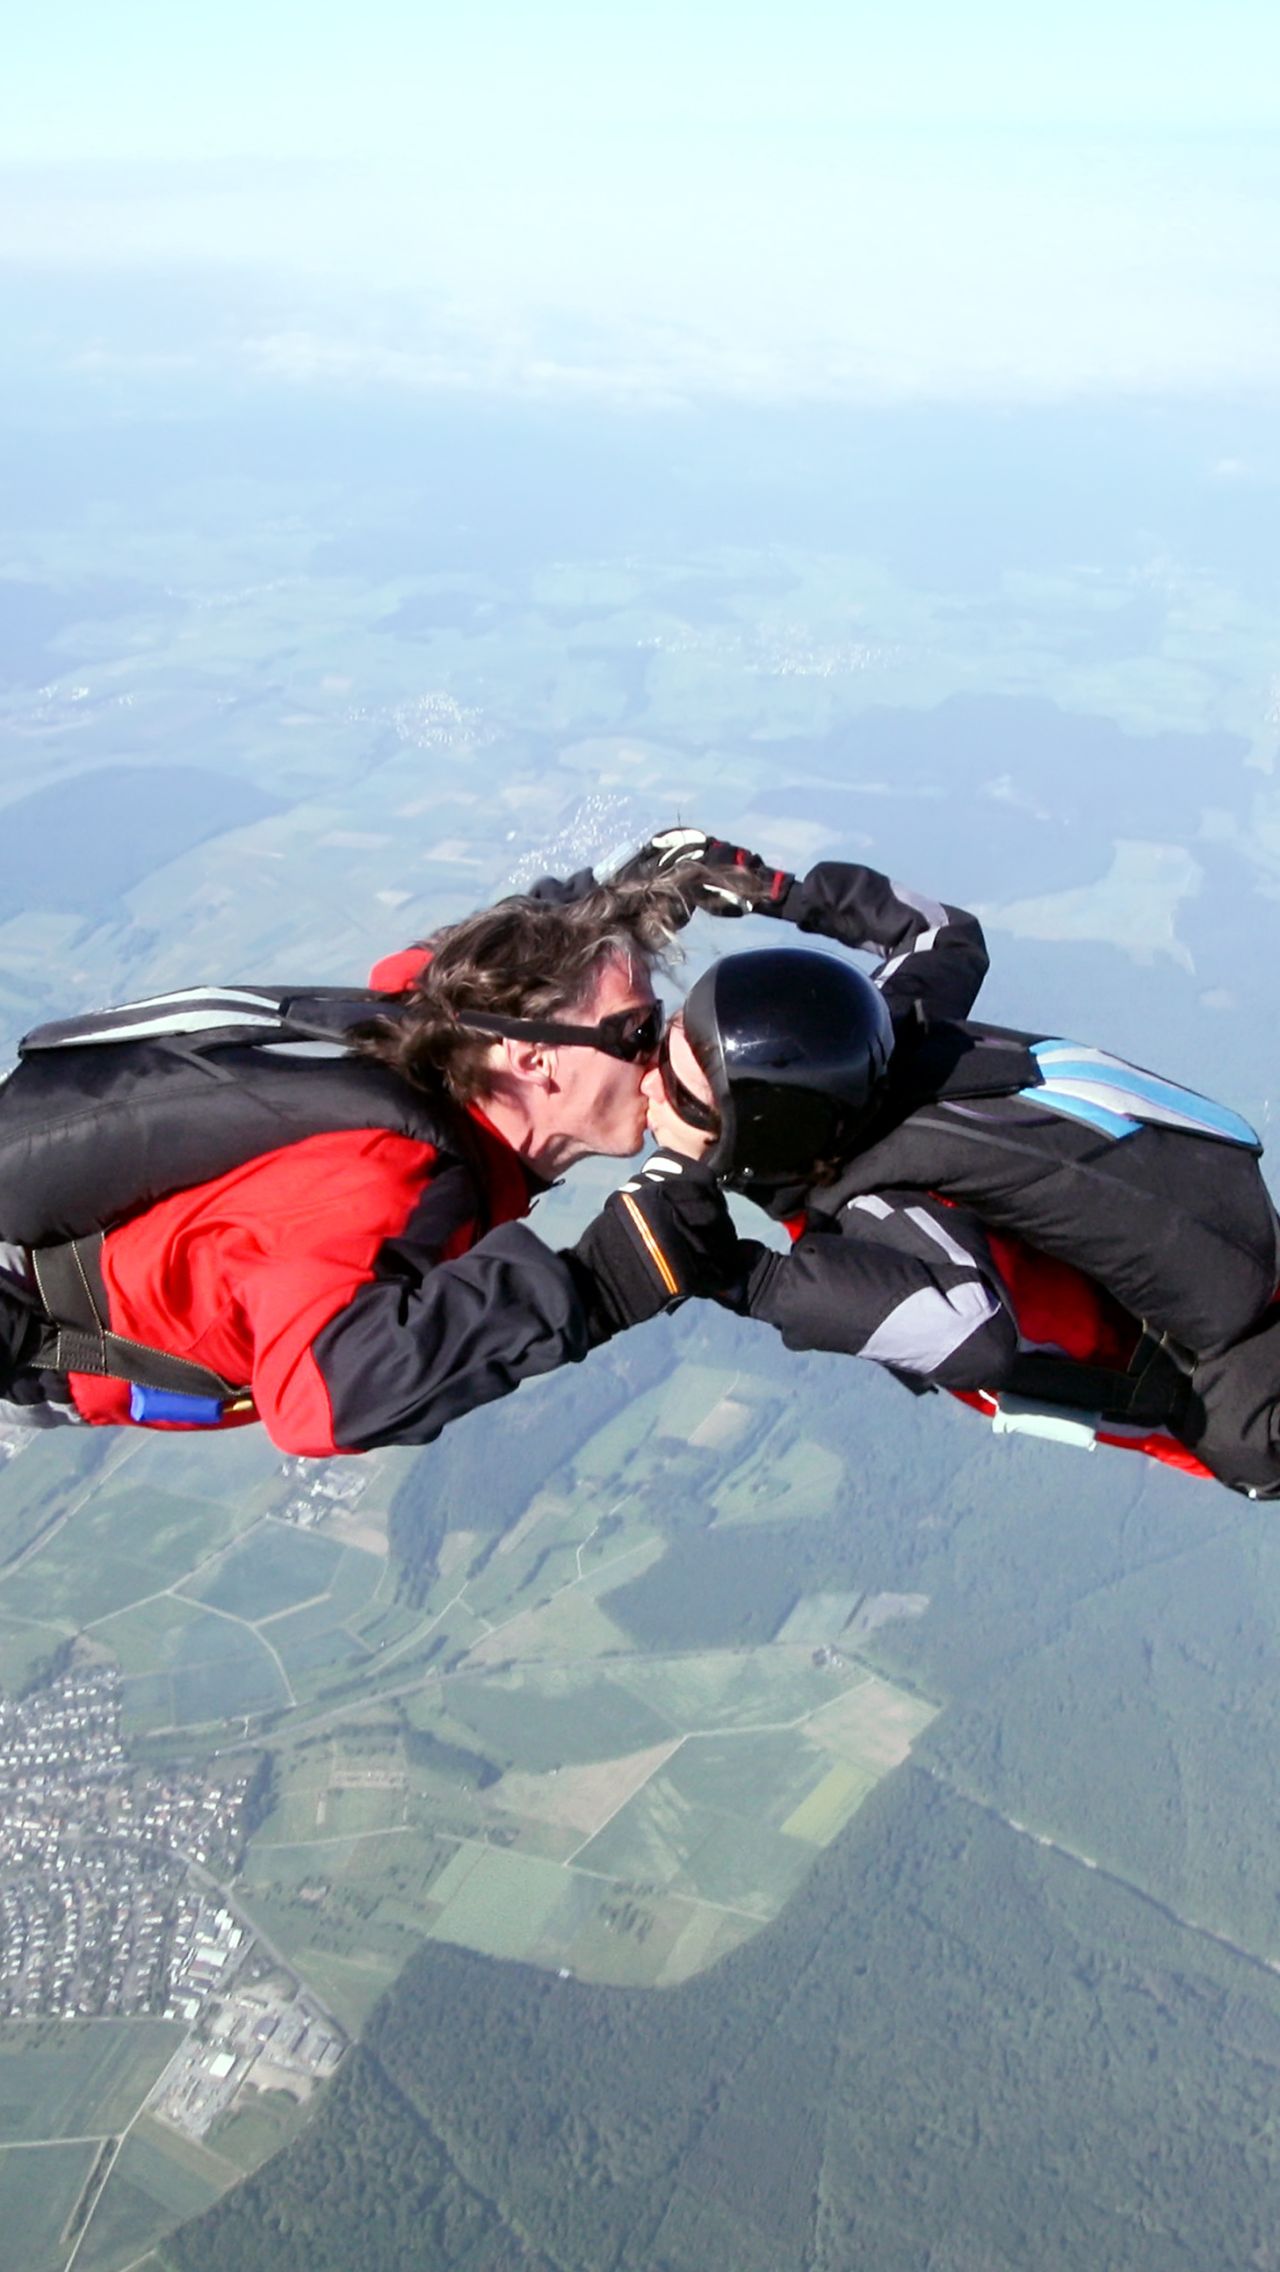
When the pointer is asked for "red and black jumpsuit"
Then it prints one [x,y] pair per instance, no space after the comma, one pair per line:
[368,1286]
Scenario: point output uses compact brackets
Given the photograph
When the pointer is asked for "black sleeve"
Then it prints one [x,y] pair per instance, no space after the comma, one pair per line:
[904,1282]
[412,1351]
[929,954]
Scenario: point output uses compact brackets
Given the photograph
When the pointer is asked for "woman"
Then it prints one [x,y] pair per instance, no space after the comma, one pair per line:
[1014,1217]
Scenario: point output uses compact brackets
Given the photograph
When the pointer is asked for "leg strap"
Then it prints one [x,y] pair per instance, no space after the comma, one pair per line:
[78,1339]
[1153,1391]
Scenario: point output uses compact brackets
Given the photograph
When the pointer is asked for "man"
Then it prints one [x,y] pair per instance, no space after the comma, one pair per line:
[978,1209]
[205,1228]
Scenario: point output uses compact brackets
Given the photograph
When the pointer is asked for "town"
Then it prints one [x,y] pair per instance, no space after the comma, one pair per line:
[112,1905]
[99,1912]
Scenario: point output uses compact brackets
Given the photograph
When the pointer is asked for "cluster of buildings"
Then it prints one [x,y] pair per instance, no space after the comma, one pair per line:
[319,1488]
[97,1911]
[259,2036]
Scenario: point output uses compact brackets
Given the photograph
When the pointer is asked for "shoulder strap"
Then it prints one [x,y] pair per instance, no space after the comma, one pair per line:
[949,1060]
[1117,1098]
[223,1015]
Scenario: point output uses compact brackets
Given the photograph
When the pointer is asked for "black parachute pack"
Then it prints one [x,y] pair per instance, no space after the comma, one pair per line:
[105,1114]
[952,1062]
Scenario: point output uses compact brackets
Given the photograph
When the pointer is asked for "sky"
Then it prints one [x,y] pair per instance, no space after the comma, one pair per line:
[783,200]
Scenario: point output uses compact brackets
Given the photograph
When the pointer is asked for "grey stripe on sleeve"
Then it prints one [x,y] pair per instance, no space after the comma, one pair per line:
[926,1329]
[920,946]
[941,1237]
[932,910]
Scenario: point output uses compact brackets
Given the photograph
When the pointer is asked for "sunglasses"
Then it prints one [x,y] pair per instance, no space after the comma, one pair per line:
[682,1100]
[633,1035]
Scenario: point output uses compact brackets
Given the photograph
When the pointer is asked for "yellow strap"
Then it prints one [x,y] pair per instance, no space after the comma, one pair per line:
[656,1255]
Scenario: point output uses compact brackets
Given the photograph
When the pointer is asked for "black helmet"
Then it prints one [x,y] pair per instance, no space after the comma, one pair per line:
[796,1047]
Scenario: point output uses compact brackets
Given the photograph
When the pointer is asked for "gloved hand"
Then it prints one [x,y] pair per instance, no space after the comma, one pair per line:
[755,1268]
[665,1234]
[715,868]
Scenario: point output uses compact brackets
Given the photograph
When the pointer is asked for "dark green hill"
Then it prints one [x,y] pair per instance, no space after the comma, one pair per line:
[91,838]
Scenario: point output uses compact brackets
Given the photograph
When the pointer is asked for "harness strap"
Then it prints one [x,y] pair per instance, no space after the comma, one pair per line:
[1153,1389]
[78,1339]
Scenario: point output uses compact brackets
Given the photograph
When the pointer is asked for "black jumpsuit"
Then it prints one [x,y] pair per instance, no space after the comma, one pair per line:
[894,1263]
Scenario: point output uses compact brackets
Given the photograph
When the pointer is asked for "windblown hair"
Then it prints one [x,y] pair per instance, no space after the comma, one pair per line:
[524,957]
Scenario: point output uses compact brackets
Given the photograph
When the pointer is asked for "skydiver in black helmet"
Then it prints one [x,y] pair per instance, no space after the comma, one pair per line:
[1075,1245]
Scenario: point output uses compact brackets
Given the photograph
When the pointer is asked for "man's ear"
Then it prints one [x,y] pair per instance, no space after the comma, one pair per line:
[530,1061]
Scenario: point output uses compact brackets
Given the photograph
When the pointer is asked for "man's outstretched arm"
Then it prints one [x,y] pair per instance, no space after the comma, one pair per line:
[346,1363]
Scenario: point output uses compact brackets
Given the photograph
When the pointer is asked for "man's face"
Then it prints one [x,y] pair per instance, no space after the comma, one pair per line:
[597,1104]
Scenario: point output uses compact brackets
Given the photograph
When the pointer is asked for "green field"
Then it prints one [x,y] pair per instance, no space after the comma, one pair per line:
[259,2126]
[663,1837]
[357,1577]
[824,1810]
[508,1904]
[39,2188]
[819,1618]
[202,1667]
[692,1393]
[78,2078]
[611,1449]
[552,1718]
[385,1623]
[649,1941]
[784,1482]
[34,1491]
[873,1725]
[734,1688]
[312,1655]
[122,1545]
[158,2181]
[243,1464]
[761,1776]
[308,1809]
[273,1569]
[25,1645]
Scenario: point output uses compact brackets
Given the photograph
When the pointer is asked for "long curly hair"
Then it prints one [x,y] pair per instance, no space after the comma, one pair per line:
[524,957]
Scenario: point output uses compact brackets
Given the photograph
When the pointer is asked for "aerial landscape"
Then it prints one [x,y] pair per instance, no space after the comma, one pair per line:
[712,1810]
[658,1720]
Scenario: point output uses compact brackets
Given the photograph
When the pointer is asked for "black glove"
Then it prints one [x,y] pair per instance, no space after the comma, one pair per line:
[665,1234]
[764,888]
[710,883]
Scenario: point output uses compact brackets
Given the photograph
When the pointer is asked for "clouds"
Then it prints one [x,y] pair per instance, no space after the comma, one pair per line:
[814,201]
[899,267]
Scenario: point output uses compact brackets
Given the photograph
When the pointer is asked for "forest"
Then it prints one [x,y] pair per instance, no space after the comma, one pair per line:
[941,2054]
[1025,2009]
